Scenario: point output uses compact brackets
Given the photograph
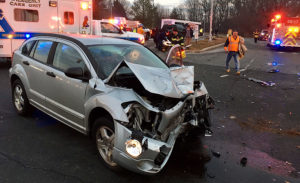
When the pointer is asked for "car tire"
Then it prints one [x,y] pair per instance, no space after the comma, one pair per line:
[19,98]
[103,133]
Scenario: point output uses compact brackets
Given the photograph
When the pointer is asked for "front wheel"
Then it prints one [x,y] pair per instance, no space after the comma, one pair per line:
[20,99]
[104,136]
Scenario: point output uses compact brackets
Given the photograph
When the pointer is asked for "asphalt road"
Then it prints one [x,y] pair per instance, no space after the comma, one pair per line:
[257,122]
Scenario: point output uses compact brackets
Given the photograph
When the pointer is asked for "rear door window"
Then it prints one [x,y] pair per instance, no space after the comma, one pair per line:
[27,48]
[42,51]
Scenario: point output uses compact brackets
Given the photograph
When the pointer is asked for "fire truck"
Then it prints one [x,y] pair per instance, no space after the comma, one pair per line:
[22,19]
[284,32]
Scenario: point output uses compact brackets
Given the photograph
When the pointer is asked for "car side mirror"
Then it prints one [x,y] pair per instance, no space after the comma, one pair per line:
[76,73]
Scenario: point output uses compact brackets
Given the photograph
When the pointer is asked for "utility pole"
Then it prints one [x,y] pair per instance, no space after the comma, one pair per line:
[211,19]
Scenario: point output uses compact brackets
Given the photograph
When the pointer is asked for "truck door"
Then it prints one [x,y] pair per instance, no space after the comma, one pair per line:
[68,16]
[85,17]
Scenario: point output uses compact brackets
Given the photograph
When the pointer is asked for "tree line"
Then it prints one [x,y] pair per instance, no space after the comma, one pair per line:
[243,15]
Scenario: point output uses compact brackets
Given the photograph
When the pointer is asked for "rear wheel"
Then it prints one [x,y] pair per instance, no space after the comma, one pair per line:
[104,136]
[20,99]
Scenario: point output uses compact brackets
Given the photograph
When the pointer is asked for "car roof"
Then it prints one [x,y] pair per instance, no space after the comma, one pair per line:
[88,39]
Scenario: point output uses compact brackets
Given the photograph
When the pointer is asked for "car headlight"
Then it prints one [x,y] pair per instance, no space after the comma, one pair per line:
[133,148]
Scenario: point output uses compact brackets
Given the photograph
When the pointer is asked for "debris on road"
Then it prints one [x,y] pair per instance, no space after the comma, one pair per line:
[244,161]
[263,83]
[273,71]
[216,154]
[232,117]
[210,175]
[223,76]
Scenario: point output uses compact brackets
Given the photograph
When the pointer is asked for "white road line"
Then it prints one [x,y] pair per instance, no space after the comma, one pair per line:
[251,61]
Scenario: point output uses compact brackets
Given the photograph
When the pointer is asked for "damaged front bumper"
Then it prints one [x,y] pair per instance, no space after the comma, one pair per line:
[155,153]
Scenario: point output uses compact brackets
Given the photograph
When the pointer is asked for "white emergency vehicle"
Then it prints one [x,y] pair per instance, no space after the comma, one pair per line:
[22,19]
[106,29]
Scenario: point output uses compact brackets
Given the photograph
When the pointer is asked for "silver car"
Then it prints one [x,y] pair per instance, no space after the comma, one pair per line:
[120,93]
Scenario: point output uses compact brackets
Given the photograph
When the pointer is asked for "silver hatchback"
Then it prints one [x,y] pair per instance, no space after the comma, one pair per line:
[120,93]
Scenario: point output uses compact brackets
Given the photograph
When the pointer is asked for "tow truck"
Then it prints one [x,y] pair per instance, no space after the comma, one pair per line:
[284,32]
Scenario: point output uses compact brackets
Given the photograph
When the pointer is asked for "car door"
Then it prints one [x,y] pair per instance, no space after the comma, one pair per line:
[110,30]
[65,96]
[35,65]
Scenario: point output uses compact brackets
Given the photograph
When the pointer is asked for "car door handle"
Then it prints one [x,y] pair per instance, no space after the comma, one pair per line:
[51,74]
[26,63]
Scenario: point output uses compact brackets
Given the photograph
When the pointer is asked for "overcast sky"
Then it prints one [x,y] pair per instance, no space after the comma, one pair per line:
[166,2]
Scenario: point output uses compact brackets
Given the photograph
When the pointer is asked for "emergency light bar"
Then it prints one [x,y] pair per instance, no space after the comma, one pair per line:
[84,5]
[53,3]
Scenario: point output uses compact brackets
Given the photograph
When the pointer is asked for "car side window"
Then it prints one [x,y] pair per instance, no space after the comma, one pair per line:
[26,49]
[67,57]
[42,50]
[109,28]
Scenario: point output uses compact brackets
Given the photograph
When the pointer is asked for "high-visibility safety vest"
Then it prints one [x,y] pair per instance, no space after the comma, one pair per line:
[233,43]
[256,34]
[140,30]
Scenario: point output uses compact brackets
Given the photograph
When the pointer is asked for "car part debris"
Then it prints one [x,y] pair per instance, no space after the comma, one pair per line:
[244,161]
[223,76]
[273,71]
[216,154]
[232,117]
[263,83]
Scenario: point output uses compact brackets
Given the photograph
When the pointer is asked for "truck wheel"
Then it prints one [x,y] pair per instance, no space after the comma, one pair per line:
[104,135]
[20,100]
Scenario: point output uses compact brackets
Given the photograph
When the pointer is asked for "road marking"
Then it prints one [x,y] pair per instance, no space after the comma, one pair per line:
[251,61]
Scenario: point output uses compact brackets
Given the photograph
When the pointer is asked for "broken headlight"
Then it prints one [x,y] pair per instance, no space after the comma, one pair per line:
[133,148]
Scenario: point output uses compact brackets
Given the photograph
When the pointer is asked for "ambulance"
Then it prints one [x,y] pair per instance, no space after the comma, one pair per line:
[284,32]
[22,19]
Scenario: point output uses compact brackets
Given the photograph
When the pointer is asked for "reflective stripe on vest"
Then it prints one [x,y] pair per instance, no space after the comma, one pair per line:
[233,44]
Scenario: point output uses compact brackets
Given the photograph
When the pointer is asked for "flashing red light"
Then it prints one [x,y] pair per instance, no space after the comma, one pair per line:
[278,16]
[278,25]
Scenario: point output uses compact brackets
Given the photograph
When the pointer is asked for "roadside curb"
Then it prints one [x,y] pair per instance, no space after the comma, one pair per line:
[204,49]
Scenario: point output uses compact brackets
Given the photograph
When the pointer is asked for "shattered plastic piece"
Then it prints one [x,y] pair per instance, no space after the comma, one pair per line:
[244,161]
[232,117]
[273,71]
[216,154]
[223,76]
[263,83]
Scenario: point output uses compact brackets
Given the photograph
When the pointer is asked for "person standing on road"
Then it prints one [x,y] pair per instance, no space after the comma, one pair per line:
[232,46]
[140,30]
[188,36]
[177,38]
[256,35]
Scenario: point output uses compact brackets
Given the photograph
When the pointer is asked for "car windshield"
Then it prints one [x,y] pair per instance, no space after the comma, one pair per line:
[108,57]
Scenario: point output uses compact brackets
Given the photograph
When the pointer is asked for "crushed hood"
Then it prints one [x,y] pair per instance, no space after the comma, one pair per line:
[175,83]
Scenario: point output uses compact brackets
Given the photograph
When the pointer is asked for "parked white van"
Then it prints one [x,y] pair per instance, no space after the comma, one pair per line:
[22,19]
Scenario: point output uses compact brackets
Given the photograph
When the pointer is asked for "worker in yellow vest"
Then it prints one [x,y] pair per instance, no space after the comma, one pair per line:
[256,35]
[232,46]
